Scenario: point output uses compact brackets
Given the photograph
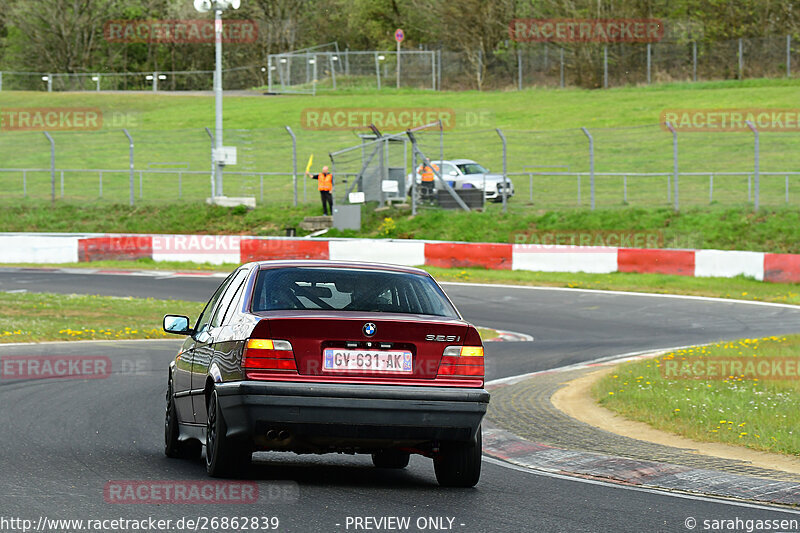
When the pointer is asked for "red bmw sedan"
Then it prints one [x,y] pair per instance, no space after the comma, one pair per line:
[328,357]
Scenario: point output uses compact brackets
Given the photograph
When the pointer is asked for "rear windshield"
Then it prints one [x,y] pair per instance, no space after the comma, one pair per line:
[349,290]
[472,168]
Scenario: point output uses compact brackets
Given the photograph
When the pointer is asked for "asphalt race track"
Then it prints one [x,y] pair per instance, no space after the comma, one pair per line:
[64,440]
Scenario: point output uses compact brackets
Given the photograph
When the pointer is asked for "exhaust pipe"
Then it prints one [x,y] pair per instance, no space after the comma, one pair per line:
[283,435]
[272,434]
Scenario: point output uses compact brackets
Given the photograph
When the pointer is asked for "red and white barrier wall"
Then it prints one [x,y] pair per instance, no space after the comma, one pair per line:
[218,249]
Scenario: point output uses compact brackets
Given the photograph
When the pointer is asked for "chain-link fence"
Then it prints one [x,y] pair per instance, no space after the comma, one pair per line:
[191,80]
[520,65]
[597,65]
[604,167]
[312,71]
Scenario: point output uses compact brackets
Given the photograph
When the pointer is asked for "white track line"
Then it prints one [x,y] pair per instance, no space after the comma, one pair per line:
[664,492]
[623,293]
[660,492]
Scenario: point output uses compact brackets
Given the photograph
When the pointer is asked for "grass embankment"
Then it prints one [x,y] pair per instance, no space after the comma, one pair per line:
[770,230]
[168,133]
[30,317]
[743,406]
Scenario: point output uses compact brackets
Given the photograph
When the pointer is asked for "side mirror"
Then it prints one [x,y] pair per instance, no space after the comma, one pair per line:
[453,173]
[177,324]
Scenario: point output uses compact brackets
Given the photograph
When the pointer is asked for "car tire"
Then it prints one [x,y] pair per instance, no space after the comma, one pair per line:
[173,446]
[224,457]
[458,464]
[391,459]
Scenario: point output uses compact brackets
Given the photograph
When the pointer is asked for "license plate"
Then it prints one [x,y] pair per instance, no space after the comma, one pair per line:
[336,360]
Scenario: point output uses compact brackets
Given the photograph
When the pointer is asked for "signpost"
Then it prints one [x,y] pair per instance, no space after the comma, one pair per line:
[399,35]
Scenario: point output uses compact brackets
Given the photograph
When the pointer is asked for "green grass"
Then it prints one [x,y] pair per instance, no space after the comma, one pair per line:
[739,409]
[771,230]
[29,317]
[542,127]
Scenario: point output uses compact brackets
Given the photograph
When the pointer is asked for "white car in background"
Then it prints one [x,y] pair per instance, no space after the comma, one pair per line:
[466,174]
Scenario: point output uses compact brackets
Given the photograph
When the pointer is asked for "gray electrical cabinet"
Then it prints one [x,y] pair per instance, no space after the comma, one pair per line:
[347,216]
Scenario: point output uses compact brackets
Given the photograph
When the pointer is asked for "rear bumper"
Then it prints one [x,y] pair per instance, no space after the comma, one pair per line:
[341,416]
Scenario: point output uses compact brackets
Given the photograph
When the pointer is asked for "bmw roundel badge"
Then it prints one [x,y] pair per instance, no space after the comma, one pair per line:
[369,329]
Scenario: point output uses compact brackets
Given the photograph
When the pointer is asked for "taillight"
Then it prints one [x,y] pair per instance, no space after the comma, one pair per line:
[462,361]
[268,355]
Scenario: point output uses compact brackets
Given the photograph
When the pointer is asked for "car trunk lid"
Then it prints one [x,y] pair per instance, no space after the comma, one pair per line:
[369,345]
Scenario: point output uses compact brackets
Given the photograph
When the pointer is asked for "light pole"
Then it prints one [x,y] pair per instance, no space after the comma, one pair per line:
[204,6]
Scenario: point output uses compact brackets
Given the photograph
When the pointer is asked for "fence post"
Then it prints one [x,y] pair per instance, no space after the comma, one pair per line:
[741,58]
[413,187]
[675,197]
[52,167]
[314,79]
[711,188]
[591,164]
[519,69]
[433,71]
[213,165]
[1,80]
[756,150]
[788,59]
[605,66]
[786,179]
[530,186]
[130,162]
[269,73]
[439,70]
[505,170]
[562,67]
[155,82]
[378,70]
[294,163]
[694,60]
[480,69]
[49,83]
[648,63]
[333,70]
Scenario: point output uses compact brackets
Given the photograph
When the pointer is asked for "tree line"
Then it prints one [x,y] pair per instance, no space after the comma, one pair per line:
[67,35]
